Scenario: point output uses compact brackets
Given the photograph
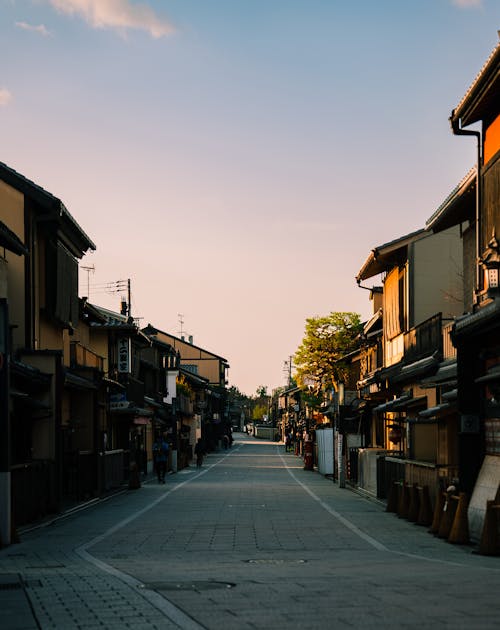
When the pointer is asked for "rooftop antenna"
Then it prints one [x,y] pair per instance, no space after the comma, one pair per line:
[181,325]
[89,270]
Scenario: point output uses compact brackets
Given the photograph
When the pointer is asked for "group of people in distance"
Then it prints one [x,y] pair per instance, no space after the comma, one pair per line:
[160,454]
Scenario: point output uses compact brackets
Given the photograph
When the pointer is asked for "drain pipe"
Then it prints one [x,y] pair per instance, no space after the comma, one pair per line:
[458,131]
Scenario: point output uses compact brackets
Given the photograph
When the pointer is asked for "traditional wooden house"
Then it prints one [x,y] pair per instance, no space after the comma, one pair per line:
[213,409]
[476,334]
[42,244]
[127,430]
[421,280]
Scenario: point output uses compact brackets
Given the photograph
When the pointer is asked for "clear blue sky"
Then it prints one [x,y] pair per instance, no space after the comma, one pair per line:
[239,159]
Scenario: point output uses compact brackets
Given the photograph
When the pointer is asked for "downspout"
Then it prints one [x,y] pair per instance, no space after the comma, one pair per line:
[458,131]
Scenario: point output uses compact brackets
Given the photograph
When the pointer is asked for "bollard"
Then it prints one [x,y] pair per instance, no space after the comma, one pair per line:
[392,501]
[489,544]
[438,513]
[425,511]
[404,501]
[134,480]
[414,505]
[459,533]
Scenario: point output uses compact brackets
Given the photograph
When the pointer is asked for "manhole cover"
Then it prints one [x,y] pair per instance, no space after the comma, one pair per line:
[186,586]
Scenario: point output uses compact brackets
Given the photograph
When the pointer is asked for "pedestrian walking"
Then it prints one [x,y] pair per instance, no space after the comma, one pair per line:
[160,454]
[199,451]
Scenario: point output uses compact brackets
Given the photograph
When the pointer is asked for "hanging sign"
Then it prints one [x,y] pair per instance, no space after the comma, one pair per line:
[124,355]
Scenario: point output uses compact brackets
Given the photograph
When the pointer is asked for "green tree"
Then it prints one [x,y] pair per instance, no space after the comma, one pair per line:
[259,411]
[319,358]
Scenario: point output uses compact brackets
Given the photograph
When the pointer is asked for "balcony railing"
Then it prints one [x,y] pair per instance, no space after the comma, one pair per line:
[424,339]
[449,350]
[80,356]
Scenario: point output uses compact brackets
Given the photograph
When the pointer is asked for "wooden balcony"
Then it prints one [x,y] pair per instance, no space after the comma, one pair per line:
[424,339]
[80,356]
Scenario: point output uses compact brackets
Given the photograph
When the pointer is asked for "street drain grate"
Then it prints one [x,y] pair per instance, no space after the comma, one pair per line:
[47,566]
[186,586]
[10,582]
[274,561]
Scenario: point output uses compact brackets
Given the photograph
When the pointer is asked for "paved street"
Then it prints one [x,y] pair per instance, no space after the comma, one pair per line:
[249,541]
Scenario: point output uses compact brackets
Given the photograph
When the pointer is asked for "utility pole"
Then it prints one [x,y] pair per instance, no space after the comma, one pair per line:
[128,298]
[287,367]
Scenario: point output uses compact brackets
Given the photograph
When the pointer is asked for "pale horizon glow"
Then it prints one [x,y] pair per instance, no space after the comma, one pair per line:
[238,161]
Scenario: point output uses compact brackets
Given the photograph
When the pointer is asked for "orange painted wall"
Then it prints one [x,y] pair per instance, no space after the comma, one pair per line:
[492,140]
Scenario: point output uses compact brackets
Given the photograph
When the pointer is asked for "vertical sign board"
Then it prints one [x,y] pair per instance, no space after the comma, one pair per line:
[124,361]
[5,516]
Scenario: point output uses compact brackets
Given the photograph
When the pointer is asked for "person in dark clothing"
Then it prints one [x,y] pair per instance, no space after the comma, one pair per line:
[160,453]
[199,451]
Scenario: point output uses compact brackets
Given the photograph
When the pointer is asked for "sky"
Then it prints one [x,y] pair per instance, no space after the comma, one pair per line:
[238,160]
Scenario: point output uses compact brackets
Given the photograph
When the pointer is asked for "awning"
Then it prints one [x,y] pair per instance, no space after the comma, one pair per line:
[446,374]
[416,369]
[493,374]
[389,405]
[478,322]
[451,395]
[434,412]
[132,411]
[367,381]
[77,382]
[152,402]
[388,372]
[410,402]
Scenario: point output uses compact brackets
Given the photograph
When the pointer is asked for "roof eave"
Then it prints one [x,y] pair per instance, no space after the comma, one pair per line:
[472,107]
[377,261]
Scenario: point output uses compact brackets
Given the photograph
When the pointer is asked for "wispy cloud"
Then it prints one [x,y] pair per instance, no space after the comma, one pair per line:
[40,28]
[468,4]
[5,97]
[116,14]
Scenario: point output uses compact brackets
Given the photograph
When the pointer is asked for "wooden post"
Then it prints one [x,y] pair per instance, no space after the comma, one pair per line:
[438,513]
[392,501]
[425,511]
[490,543]
[459,533]
[414,504]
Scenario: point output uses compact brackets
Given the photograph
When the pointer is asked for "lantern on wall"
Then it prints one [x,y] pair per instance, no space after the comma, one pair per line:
[395,433]
[491,264]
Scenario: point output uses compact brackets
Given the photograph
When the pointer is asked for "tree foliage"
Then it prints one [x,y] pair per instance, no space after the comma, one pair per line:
[319,358]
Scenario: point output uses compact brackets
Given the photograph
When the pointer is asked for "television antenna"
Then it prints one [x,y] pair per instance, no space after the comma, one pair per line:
[89,270]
